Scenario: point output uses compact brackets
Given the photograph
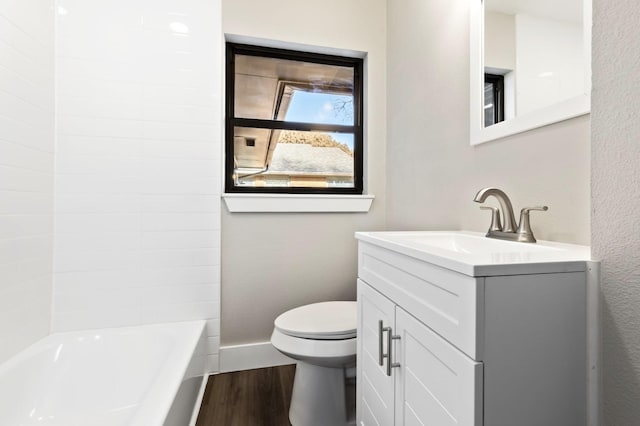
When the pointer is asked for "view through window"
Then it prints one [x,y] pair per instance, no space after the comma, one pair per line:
[294,122]
[493,99]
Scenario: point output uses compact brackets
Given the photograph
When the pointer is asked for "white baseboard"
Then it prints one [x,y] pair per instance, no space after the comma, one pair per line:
[250,356]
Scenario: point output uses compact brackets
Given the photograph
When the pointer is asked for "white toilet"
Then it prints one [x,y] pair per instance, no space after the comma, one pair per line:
[322,338]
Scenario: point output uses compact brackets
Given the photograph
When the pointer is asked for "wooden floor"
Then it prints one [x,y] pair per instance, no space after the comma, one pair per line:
[248,398]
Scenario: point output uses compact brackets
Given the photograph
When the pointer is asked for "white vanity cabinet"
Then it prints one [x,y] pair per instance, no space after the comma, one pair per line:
[441,347]
[434,383]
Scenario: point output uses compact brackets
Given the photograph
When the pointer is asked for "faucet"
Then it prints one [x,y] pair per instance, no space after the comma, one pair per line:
[505,205]
[522,233]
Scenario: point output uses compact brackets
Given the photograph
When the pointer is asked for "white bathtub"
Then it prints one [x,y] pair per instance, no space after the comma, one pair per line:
[143,376]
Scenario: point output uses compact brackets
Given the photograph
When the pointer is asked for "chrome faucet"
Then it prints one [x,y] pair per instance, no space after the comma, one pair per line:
[522,233]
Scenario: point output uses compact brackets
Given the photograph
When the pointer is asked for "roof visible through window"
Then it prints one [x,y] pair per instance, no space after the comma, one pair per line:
[294,122]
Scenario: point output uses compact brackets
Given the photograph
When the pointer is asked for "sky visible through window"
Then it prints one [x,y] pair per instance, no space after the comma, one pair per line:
[323,108]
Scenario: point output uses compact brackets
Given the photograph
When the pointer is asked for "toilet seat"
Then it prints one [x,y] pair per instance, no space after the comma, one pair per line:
[320,321]
[319,352]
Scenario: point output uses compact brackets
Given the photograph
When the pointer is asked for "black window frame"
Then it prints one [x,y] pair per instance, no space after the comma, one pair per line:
[231,121]
[497,82]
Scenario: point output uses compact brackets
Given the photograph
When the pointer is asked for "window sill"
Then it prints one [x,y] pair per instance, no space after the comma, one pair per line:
[298,203]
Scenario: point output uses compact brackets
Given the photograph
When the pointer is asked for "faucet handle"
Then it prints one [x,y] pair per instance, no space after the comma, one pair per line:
[496,223]
[539,208]
[524,228]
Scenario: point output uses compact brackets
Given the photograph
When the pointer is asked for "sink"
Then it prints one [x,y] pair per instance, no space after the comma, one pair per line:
[466,243]
[474,254]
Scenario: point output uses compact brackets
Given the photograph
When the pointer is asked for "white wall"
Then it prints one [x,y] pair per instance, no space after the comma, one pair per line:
[26,171]
[499,40]
[615,187]
[549,62]
[137,234]
[274,262]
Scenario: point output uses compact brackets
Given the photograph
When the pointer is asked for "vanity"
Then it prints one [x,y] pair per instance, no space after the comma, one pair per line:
[458,329]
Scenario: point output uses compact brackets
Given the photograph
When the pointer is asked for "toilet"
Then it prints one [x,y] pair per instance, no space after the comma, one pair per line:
[321,337]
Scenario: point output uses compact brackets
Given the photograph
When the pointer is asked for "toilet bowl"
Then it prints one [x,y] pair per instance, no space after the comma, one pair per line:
[321,337]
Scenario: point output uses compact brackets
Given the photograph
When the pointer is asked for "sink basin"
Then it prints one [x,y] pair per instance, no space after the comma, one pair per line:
[474,254]
[467,243]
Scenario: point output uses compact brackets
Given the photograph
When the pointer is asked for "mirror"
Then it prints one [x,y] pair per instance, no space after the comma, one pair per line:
[530,65]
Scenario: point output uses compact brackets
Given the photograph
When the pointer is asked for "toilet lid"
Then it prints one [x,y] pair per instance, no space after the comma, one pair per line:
[321,321]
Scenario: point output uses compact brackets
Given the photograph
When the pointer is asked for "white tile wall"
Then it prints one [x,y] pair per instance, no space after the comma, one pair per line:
[137,235]
[26,171]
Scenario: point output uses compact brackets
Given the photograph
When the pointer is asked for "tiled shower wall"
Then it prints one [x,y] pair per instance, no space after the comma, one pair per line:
[26,171]
[137,232]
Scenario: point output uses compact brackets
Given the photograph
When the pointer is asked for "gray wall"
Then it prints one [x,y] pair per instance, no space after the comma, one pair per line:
[272,262]
[433,172]
[275,262]
[615,189]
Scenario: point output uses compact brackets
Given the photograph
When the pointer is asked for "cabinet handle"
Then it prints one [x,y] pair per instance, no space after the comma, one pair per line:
[390,363]
[381,354]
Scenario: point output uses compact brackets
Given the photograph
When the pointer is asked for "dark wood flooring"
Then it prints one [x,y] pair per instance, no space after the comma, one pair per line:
[258,397]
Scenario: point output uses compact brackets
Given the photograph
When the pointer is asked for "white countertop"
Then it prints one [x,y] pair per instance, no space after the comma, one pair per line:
[471,253]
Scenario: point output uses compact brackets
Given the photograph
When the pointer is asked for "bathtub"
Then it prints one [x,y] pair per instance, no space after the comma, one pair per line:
[135,376]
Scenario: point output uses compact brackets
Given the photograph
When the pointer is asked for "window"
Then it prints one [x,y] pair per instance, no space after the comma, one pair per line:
[293,122]
[493,99]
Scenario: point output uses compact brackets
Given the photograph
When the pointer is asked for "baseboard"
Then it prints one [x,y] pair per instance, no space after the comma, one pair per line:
[250,356]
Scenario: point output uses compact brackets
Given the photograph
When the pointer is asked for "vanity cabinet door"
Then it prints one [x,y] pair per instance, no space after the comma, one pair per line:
[375,389]
[436,384]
